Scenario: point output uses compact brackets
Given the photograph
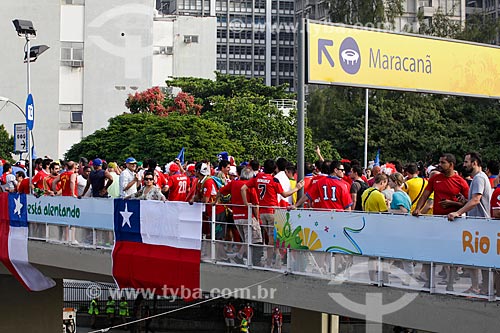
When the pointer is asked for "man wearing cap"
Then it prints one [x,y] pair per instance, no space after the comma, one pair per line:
[177,184]
[129,180]
[99,179]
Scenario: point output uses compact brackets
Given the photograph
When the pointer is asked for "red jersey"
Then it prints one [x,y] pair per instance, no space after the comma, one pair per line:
[240,212]
[38,179]
[248,311]
[66,182]
[446,188]
[24,186]
[208,189]
[160,180]
[229,311]
[193,181]
[177,187]
[268,187]
[47,183]
[332,193]
[347,179]
[495,200]
[277,318]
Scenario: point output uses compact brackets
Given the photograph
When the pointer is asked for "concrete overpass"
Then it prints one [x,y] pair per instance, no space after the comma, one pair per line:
[72,239]
[308,295]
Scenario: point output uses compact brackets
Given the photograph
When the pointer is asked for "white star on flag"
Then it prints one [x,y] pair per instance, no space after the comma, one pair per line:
[126,217]
[19,206]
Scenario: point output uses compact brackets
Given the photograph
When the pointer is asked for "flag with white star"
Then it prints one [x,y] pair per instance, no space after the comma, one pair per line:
[14,243]
[157,245]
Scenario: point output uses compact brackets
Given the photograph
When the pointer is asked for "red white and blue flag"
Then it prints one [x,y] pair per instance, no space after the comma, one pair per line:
[14,243]
[157,245]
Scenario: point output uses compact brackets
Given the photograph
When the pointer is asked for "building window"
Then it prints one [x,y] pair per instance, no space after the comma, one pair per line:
[74,111]
[73,2]
[188,39]
[72,54]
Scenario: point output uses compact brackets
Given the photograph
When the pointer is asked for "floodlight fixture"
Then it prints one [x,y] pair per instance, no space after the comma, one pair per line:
[24,28]
[35,51]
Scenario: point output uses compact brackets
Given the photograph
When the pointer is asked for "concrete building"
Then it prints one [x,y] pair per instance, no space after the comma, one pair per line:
[255,38]
[319,10]
[100,51]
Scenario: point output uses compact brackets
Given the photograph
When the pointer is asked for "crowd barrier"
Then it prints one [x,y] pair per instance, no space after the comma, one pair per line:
[372,248]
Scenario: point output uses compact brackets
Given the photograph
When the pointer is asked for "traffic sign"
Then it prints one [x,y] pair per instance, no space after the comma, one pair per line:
[30,112]
[20,138]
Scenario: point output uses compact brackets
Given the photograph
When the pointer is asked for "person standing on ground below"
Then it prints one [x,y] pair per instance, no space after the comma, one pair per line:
[229,314]
[276,320]
[93,312]
[478,205]
[123,310]
[110,310]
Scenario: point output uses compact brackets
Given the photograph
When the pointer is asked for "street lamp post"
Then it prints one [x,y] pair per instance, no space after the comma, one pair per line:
[25,29]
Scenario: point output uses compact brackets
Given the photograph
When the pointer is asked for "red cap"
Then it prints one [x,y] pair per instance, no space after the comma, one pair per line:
[174,167]
[190,168]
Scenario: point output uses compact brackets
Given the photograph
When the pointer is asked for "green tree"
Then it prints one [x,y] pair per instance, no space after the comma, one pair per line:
[146,135]
[6,144]
[375,13]
[227,86]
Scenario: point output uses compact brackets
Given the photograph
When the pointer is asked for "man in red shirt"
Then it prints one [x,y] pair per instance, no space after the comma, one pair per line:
[248,310]
[268,188]
[240,214]
[177,184]
[41,174]
[450,190]
[206,192]
[277,320]
[68,180]
[331,191]
[47,181]
[23,183]
[229,314]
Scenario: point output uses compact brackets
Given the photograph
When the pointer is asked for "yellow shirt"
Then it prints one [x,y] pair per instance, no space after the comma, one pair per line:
[375,201]
[293,183]
[415,187]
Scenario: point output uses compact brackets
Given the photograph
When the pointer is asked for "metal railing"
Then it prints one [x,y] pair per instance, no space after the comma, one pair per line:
[219,249]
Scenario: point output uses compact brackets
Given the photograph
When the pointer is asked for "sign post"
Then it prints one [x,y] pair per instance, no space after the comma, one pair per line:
[21,138]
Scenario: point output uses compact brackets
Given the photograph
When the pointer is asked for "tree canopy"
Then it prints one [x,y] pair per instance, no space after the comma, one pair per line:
[6,144]
[237,117]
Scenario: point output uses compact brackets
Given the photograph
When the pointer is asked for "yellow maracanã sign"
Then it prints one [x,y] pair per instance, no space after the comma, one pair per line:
[367,58]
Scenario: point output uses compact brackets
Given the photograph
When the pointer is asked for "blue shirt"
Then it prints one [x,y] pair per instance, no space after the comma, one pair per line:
[400,198]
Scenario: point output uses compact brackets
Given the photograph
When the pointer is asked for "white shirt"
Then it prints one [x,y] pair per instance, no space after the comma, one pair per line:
[82,182]
[285,184]
[125,178]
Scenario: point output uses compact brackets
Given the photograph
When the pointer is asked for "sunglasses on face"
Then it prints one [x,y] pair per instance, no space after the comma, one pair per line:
[148,179]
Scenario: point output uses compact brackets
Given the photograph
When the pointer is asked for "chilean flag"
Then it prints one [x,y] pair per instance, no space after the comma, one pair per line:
[14,243]
[157,245]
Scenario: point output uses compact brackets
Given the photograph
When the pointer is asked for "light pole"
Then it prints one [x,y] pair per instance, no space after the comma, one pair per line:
[25,29]
[6,100]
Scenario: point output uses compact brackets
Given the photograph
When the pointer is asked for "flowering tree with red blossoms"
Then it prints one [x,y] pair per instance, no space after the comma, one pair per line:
[183,103]
[154,101]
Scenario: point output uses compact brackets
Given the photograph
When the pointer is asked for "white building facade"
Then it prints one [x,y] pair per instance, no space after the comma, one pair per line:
[100,51]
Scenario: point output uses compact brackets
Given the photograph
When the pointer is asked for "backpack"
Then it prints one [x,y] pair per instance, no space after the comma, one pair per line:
[360,192]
